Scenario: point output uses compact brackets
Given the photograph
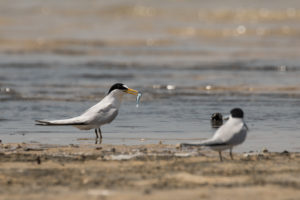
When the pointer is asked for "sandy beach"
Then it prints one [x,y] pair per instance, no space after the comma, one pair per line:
[155,171]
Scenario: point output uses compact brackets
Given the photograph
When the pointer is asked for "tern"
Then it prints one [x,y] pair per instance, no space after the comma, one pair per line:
[216,120]
[230,134]
[102,113]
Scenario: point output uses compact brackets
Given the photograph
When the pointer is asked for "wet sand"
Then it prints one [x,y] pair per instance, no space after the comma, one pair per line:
[156,171]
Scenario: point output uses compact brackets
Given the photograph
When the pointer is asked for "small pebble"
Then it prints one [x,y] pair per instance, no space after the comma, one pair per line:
[285,152]
[171,87]
[100,158]
[246,155]
[85,181]
[38,160]
[98,148]
[208,87]
[261,156]
[74,145]
[265,150]
[113,150]
[147,191]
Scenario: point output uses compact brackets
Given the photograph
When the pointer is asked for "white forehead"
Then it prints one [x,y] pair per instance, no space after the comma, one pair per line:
[125,86]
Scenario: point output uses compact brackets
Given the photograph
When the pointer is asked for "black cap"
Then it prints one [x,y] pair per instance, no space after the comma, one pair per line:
[119,86]
[237,113]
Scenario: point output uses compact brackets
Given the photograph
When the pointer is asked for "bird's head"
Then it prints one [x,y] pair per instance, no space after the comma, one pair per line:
[120,87]
[237,113]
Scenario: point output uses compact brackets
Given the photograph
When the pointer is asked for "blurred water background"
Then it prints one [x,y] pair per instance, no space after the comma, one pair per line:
[189,58]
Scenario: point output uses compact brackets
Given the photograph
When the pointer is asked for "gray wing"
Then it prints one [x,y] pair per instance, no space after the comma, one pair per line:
[238,137]
[75,121]
[228,135]
[102,116]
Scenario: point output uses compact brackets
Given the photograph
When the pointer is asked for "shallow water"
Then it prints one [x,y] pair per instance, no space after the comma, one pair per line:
[200,59]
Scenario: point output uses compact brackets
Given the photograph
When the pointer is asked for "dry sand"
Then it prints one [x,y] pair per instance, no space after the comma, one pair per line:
[36,171]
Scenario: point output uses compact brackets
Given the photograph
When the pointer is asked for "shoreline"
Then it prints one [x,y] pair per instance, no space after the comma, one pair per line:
[152,171]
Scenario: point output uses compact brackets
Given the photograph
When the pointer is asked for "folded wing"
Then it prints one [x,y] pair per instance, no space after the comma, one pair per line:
[75,121]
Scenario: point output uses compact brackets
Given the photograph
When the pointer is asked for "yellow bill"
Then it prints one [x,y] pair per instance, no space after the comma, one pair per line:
[132,91]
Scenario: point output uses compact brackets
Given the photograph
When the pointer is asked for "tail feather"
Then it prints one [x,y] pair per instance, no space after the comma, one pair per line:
[42,122]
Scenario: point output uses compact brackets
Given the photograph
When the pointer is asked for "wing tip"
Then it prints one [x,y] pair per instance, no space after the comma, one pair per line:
[49,123]
[41,123]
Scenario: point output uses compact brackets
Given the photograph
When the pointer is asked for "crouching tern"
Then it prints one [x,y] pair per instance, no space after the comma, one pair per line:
[102,113]
[230,134]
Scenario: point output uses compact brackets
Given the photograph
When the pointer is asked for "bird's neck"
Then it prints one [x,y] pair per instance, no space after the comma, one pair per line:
[236,120]
[115,97]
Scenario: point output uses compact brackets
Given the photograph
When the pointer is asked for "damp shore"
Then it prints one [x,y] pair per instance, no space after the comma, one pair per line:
[152,171]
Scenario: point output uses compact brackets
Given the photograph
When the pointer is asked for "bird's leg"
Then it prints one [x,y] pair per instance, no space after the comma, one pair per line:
[99,130]
[230,152]
[100,133]
[220,155]
[96,139]
[96,134]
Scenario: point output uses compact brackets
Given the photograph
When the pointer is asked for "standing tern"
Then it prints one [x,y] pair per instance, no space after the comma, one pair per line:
[102,113]
[230,134]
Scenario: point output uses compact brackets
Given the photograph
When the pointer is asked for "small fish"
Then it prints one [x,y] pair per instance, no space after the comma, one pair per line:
[138,98]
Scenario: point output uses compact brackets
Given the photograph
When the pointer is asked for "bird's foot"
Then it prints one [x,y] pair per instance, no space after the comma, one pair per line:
[98,141]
